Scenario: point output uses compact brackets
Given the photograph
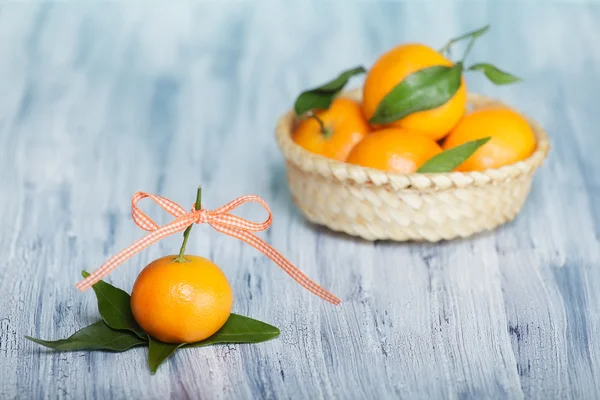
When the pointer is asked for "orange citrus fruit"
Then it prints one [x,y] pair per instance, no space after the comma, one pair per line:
[181,302]
[394,150]
[512,138]
[391,69]
[344,127]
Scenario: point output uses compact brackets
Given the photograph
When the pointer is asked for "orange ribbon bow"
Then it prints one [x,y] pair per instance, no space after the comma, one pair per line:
[219,219]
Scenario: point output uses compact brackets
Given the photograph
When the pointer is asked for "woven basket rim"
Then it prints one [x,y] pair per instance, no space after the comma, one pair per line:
[345,172]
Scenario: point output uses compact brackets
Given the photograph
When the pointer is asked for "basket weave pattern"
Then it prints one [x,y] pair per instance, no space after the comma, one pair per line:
[378,205]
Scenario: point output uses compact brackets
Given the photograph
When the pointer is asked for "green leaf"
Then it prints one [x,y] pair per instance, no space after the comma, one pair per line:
[159,351]
[495,74]
[448,160]
[323,96]
[240,329]
[237,329]
[422,90]
[97,336]
[469,35]
[115,308]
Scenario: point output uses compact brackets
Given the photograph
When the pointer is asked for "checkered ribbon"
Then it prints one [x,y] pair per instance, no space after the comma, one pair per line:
[219,219]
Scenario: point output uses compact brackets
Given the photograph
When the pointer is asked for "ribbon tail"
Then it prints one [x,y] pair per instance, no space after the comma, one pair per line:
[279,259]
[136,247]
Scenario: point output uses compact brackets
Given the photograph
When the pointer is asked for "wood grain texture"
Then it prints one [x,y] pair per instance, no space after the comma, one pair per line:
[103,99]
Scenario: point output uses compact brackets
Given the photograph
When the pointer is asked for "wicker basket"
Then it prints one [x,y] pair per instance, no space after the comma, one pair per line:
[377,205]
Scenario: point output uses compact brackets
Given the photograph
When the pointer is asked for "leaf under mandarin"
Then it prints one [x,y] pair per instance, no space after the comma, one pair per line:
[240,329]
[237,329]
[114,307]
[159,351]
[123,335]
[97,336]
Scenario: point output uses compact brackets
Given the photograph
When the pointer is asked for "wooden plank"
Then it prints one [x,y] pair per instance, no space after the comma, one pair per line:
[162,98]
[549,256]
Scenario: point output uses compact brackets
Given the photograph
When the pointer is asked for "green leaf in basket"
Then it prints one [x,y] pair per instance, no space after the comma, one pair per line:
[97,336]
[114,307]
[237,329]
[495,74]
[323,96]
[448,160]
[422,90]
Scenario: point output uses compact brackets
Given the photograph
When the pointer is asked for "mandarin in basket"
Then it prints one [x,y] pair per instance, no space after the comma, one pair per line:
[181,301]
[394,150]
[512,138]
[396,65]
[333,132]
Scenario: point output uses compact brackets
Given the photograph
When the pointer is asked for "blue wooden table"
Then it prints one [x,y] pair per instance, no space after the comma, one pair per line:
[103,99]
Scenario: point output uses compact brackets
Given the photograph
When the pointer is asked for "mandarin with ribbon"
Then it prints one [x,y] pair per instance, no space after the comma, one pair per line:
[220,219]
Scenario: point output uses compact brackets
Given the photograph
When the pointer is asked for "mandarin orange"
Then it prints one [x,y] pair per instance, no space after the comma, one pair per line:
[394,150]
[391,69]
[181,302]
[343,127]
[512,138]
